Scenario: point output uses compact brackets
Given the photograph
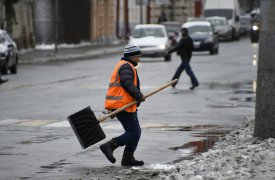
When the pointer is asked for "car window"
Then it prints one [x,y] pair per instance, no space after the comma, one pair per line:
[173,28]
[227,13]
[218,22]
[199,29]
[7,38]
[2,39]
[144,32]
[245,21]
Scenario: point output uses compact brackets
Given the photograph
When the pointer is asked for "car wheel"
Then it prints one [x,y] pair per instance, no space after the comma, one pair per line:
[13,69]
[212,50]
[233,35]
[167,57]
[4,68]
[217,50]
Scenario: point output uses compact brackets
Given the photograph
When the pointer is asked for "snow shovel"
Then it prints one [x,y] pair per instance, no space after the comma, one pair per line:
[86,126]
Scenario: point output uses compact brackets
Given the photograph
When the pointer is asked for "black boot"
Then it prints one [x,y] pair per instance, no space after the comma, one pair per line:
[128,159]
[108,149]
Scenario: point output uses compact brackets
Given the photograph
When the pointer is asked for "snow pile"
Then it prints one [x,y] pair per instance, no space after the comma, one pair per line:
[52,46]
[238,155]
[163,167]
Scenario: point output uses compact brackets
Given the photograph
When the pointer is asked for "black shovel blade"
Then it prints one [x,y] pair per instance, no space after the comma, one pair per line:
[86,127]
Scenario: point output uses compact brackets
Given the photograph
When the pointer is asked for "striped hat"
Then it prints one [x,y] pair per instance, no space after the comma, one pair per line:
[131,50]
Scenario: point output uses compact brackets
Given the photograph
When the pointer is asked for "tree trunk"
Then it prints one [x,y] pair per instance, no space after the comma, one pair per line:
[265,97]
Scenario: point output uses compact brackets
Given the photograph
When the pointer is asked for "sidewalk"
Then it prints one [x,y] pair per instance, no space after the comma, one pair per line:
[69,53]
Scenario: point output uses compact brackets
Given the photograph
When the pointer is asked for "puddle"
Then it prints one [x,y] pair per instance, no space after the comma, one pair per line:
[26,177]
[244,99]
[42,139]
[243,91]
[228,105]
[210,136]
[181,128]
[56,165]
[237,85]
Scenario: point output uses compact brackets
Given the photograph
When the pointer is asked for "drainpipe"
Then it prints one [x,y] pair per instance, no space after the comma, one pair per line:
[117,17]
[148,12]
[141,11]
[56,26]
[173,10]
[126,19]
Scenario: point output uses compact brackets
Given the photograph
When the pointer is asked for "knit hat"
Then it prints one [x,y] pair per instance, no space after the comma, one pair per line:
[132,50]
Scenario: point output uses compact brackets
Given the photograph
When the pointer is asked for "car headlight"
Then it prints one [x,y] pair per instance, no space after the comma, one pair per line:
[162,46]
[5,53]
[210,39]
[255,28]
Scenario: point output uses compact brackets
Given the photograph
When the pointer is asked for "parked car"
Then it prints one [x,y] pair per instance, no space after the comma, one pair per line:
[230,9]
[222,27]
[8,53]
[245,24]
[173,30]
[152,40]
[203,35]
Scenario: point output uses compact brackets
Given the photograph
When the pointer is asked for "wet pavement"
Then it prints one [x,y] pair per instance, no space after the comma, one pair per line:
[37,141]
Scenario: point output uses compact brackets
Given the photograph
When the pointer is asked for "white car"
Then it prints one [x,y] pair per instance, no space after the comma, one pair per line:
[222,27]
[8,53]
[152,40]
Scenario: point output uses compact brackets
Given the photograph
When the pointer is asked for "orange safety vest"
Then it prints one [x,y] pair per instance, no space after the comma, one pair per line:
[117,96]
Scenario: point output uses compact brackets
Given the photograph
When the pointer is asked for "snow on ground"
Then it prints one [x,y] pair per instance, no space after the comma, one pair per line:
[52,46]
[238,155]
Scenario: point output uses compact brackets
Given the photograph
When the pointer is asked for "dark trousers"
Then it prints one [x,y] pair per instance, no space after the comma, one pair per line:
[185,65]
[132,133]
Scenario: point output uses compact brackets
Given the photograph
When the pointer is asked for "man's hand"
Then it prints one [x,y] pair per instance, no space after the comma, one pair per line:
[108,112]
[138,102]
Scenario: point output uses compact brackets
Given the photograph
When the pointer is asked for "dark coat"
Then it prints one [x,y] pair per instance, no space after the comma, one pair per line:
[184,48]
[127,79]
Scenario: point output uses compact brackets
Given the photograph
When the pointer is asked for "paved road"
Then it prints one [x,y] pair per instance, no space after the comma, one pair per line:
[38,143]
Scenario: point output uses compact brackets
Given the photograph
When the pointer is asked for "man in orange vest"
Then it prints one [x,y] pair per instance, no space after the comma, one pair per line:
[124,88]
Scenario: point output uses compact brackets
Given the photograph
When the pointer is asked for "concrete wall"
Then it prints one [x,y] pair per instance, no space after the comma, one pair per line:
[176,10]
[69,18]
[20,26]
[22,29]
[102,21]
[2,14]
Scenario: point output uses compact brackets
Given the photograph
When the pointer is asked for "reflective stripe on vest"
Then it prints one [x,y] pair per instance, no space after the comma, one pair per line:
[116,96]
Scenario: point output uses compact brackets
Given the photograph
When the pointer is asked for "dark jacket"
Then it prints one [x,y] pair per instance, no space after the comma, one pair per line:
[127,80]
[184,48]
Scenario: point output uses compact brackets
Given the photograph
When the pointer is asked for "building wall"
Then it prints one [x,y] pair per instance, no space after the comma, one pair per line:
[22,29]
[136,15]
[176,10]
[72,20]
[248,5]
[2,14]
[103,21]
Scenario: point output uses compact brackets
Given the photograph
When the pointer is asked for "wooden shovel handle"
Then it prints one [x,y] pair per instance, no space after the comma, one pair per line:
[103,118]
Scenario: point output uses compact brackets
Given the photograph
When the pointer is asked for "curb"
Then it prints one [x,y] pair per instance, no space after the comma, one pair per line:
[68,57]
